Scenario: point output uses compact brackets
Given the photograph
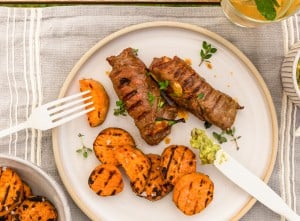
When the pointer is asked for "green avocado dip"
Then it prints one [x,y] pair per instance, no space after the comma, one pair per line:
[207,148]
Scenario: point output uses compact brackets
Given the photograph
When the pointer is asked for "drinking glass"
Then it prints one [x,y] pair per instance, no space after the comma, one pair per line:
[245,13]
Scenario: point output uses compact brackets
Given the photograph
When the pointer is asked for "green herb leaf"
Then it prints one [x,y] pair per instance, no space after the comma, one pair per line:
[219,137]
[83,150]
[135,51]
[120,110]
[231,132]
[200,96]
[161,103]
[163,85]
[151,98]
[206,52]
[207,124]
[267,8]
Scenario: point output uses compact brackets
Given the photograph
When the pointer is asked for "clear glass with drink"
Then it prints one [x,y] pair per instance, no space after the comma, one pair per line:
[253,13]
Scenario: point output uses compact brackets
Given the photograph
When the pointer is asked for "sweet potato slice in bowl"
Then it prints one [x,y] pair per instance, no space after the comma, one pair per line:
[100,99]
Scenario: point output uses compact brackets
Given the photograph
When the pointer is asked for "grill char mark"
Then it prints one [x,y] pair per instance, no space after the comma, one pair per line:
[132,85]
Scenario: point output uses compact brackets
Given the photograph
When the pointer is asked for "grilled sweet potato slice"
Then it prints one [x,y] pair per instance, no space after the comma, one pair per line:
[156,187]
[11,190]
[193,192]
[137,167]
[108,141]
[176,161]
[27,189]
[100,99]
[35,208]
[106,180]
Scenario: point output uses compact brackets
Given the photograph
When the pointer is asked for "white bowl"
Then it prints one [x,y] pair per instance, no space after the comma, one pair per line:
[288,74]
[40,182]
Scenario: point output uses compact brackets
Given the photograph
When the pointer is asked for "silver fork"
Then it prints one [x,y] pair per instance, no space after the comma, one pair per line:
[54,113]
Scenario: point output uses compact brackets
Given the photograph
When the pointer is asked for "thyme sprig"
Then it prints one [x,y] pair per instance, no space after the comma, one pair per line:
[221,137]
[206,52]
[120,110]
[84,149]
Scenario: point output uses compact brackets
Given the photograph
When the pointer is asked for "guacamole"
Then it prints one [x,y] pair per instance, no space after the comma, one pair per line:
[207,148]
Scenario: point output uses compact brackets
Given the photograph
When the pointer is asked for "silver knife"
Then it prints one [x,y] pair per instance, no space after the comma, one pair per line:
[246,180]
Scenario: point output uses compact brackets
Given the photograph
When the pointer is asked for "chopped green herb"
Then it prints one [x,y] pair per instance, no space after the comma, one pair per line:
[207,124]
[206,52]
[220,137]
[200,96]
[84,150]
[120,110]
[231,132]
[151,98]
[267,8]
[135,51]
[163,85]
[161,103]
[170,121]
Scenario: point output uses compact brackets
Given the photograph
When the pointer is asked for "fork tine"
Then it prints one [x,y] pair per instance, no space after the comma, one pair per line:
[69,111]
[71,117]
[65,99]
[66,105]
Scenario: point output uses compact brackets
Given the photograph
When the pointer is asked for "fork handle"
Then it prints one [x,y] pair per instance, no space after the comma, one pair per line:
[13,129]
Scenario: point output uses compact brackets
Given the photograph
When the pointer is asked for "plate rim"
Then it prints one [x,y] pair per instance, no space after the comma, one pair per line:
[190,27]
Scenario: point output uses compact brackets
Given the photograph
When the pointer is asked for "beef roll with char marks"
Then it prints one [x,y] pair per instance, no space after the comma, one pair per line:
[190,91]
[141,96]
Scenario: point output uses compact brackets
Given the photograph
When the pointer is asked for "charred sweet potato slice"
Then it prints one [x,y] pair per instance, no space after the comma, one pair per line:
[193,192]
[11,190]
[106,180]
[108,142]
[35,208]
[176,161]
[100,99]
[156,187]
[27,189]
[137,167]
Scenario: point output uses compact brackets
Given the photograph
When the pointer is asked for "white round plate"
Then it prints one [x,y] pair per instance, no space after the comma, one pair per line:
[231,73]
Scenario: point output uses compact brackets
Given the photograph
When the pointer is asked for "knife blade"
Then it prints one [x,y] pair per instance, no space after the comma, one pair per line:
[246,180]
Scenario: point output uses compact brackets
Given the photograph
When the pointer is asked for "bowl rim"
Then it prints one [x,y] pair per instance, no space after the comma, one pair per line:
[52,182]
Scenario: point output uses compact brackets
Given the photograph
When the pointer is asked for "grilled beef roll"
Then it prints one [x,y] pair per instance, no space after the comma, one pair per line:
[190,91]
[141,96]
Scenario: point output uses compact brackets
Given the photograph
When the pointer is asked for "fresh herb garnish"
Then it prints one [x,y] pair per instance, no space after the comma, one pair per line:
[231,132]
[151,98]
[200,96]
[170,121]
[163,85]
[220,137]
[160,103]
[120,110]
[135,51]
[207,124]
[267,8]
[84,149]
[206,52]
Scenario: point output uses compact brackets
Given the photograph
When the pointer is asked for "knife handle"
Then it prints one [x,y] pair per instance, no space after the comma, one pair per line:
[255,187]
